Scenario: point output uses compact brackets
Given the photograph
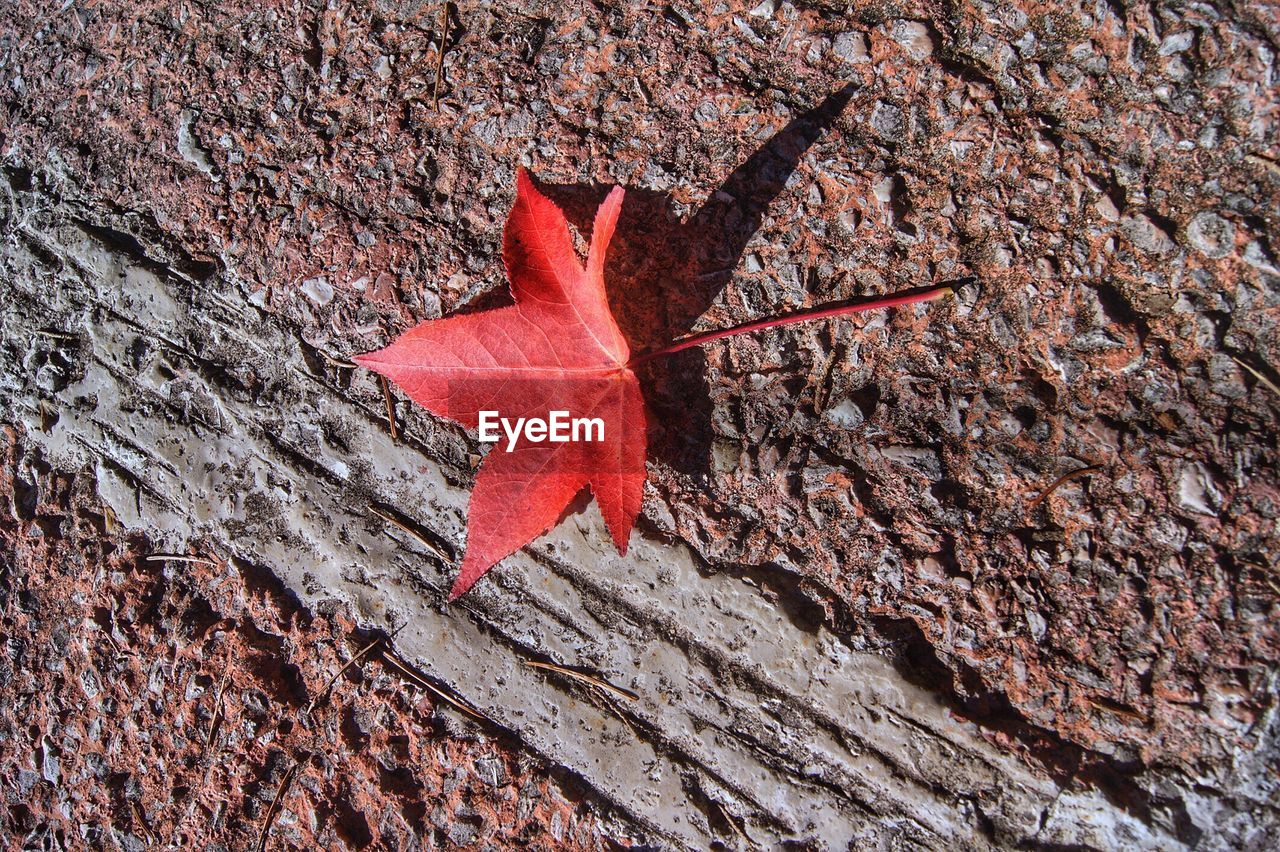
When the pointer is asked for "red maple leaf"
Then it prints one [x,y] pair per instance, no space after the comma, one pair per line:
[557,349]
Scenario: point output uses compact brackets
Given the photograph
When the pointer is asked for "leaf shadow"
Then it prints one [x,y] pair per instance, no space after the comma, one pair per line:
[664,272]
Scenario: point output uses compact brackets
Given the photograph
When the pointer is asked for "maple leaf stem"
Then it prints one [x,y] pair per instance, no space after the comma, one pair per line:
[802,316]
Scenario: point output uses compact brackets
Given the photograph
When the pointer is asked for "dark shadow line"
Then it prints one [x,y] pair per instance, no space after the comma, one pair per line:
[749,190]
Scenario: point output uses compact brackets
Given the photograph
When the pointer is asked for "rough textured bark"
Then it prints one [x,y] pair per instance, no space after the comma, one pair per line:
[845,619]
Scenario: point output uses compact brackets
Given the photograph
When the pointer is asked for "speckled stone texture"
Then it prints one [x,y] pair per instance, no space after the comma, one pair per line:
[1100,181]
[161,705]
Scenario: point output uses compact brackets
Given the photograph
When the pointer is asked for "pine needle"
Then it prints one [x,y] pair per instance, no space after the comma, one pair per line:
[444,33]
[178,557]
[275,807]
[394,521]
[422,683]
[1258,375]
[328,686]
[216,719]
[1060,481]
[585,678]
[391,408]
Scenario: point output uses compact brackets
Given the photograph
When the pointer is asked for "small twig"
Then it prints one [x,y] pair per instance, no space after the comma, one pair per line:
[328,686]
[142,822]
[106,631]
[422,683]
[458,703]
[1060,481]
[216,718]
[337,362]
[391,410]
[1112,707]
[211,754]
[48,415]
[120,652]
[609,704]
[412,676]
[1257,375]
[394,521]
[586,678]
[57,335]
[178,557]
[275,807]
[110,523]
[733,823]
[444,32]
